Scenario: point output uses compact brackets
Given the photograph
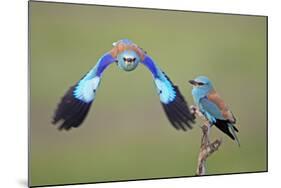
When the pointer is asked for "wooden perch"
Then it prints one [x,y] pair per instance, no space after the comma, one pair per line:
[206,148]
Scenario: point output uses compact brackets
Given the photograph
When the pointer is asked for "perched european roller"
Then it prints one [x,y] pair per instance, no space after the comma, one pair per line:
[212,106]
[76,103]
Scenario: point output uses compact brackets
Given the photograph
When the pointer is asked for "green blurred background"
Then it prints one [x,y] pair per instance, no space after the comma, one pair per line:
[126,134]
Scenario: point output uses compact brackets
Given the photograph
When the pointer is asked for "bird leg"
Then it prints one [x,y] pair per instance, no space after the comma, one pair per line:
[206,147]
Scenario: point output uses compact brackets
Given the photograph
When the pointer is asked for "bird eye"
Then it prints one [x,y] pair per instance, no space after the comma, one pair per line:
[124,59]
[134,59]
[200,83]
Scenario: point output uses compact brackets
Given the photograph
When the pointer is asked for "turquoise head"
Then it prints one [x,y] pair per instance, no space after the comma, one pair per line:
[201,87]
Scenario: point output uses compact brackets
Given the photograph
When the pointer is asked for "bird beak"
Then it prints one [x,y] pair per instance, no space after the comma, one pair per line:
[192,82]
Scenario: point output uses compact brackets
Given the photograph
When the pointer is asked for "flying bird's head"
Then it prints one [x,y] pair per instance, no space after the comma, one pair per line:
[128,60]
[201,86]
[128,54]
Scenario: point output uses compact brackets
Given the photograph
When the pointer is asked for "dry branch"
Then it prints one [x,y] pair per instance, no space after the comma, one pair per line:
[206,148]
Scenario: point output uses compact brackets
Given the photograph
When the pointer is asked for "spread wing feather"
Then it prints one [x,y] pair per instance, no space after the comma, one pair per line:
[75,104]
[174,104]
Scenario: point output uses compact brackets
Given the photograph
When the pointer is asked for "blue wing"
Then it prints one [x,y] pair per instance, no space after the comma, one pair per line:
[174,104]
[77,101]
[213,114]
[210,110]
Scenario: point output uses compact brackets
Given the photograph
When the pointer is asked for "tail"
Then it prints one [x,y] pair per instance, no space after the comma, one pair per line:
[228,128]
[233,130]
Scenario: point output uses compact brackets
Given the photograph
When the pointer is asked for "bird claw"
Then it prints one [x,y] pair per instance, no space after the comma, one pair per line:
[193,110]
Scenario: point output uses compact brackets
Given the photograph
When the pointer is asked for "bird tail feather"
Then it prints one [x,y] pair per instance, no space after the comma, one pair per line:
[228,128]
[233,130]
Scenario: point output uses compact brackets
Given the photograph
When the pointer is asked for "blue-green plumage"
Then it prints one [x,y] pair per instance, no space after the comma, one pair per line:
[86,88]
[213,107]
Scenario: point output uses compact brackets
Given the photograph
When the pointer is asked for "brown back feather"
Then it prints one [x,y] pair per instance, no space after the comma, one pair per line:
[226,113]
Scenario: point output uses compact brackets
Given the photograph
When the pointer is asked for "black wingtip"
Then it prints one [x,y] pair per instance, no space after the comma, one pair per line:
[235,128]
[224,127]
[178,111]
[71,112]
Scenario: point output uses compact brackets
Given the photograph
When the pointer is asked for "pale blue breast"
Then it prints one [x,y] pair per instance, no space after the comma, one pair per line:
[198,94]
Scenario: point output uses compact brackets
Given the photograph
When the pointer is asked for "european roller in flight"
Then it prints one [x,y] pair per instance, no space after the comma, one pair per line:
[212,106]
[75,104]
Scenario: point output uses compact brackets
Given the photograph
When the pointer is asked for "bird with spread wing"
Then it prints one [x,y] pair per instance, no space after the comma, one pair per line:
[75,104]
